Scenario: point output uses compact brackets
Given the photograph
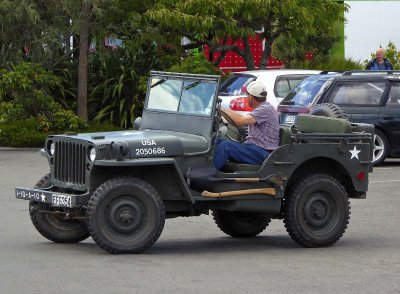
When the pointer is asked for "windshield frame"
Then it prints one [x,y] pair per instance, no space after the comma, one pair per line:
[189,96]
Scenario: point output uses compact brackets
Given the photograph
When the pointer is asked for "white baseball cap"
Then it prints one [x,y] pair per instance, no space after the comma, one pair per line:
[257,89]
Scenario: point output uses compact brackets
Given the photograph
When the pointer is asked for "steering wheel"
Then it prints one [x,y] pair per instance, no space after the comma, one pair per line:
[234,128]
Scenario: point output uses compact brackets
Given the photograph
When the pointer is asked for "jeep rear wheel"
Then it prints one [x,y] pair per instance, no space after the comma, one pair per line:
[240,224]
[50,222]
[125,215]
[316,211]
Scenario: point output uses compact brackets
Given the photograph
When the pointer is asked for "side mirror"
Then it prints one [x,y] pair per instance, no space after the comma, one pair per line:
[137,123]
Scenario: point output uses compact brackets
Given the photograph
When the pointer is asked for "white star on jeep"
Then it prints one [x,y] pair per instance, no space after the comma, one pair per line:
[354,152]
[43,197]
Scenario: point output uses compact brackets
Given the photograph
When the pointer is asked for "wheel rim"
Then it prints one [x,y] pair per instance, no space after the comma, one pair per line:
[379,148]
[320,214]
[126,218]
[59,222]
[126,215]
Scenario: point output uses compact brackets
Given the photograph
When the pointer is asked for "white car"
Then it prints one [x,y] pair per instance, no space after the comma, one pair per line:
[278,82]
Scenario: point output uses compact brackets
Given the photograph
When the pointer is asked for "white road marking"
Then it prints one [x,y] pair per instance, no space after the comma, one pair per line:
[387,181]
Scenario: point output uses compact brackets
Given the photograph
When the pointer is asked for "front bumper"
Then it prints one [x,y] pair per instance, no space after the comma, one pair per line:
[55,199]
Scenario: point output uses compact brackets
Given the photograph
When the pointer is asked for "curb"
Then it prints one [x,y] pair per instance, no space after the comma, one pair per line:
[19,149]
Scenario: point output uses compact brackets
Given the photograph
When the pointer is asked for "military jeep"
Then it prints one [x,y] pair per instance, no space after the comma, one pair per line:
[119,187]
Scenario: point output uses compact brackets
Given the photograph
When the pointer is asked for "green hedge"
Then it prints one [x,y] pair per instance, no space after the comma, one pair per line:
[26,134]
[21,134]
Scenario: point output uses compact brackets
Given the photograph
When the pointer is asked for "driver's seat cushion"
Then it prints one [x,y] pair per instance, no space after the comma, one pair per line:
[231,167]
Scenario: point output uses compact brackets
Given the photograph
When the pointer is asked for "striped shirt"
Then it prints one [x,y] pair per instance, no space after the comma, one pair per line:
[265,132]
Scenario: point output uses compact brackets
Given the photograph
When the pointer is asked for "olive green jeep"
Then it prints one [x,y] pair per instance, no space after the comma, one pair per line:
[119,187]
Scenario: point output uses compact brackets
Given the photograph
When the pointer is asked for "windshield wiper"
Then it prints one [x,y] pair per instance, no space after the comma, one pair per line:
[192,85]
[159,82]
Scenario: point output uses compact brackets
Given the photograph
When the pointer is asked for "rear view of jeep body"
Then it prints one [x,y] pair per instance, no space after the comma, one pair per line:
[119,187]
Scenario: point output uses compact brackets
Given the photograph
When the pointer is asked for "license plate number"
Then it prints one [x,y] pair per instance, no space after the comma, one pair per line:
[290,119]
[61,200]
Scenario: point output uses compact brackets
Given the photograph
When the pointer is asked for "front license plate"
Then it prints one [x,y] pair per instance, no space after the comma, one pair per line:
[290,119]
[61,200]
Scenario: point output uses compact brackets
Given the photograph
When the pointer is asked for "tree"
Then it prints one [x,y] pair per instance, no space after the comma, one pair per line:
[88,18]
[19,30]
[117,76]
[40,31]
[212,22]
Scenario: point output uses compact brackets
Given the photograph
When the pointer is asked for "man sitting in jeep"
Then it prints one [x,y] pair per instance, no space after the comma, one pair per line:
[263,132]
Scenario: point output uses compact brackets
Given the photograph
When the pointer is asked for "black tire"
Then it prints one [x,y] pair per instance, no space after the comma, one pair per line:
[240,224]
[125,215]
[381,148]
[52,226]
[329,110]
[316,211]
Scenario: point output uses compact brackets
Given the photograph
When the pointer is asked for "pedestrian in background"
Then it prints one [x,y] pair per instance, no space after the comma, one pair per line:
[380,62]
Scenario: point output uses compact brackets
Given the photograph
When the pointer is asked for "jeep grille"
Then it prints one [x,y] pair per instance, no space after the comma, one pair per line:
[70,164]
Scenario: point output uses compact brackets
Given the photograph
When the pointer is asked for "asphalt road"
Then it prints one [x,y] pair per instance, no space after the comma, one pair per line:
[193,256]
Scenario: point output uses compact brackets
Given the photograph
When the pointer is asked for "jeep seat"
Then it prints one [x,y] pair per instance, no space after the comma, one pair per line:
[284,138]
[231,167]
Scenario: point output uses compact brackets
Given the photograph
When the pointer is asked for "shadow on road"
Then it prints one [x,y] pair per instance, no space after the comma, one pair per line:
[220,245]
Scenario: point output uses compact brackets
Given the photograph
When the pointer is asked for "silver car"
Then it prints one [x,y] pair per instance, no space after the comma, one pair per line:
[278,83]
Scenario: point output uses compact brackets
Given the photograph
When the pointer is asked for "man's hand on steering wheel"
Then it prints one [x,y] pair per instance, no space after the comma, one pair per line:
[232,126]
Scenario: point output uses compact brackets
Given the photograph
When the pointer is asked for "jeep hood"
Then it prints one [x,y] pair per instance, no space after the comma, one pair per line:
[147,143]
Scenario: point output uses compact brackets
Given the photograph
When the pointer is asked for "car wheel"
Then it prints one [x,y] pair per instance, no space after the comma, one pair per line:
[240,224]
[316,211]
[329,110]
[125,215]
[381,148]
[53,225]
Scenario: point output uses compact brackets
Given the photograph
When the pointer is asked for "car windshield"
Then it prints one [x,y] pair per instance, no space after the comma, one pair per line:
[188,96]
[306,92]
[233,86]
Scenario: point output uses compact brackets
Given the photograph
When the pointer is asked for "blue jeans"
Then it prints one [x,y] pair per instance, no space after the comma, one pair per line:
[237,152]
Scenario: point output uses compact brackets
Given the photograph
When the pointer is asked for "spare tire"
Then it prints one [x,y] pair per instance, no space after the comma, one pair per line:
[329,110]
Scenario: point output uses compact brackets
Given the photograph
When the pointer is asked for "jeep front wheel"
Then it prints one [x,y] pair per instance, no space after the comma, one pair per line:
[125,215]
[50,222]
[316,211]
[240,224]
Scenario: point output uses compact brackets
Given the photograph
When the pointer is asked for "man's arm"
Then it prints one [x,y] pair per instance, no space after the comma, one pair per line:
[240,120]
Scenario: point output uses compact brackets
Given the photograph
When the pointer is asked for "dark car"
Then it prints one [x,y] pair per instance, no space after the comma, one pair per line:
[366,97]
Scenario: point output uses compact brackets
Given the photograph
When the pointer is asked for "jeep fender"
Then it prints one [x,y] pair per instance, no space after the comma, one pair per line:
[299,161]
[163,174]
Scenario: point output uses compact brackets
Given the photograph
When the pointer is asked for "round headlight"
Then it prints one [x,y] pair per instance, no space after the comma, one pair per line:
[52,148]
[92,154]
